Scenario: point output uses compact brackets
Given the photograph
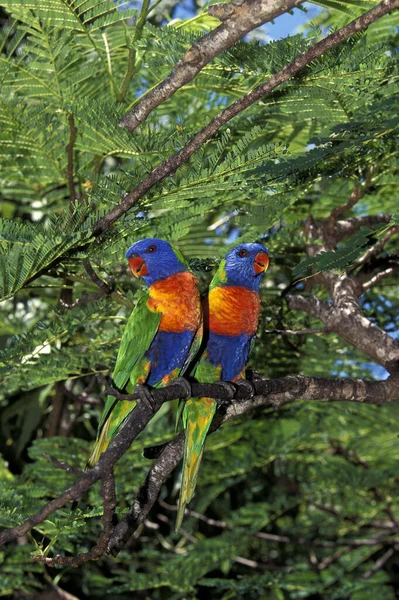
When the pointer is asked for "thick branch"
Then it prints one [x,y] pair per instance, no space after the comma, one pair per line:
[349,323]
[274,392]
[347,227]
[171,164]
[239,18]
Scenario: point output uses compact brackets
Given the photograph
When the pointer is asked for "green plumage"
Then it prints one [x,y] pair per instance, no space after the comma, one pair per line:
[197,418]
[131,366]
[220,276]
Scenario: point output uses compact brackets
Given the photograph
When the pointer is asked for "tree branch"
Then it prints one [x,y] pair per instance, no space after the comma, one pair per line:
[268,392]
[374,250]
[171,164]
[380,563]
[305,331]
[239,18]
[357,193]
[347,227]
[349,323]
[377,278]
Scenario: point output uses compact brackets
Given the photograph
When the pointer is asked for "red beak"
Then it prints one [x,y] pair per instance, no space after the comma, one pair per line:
[261,262]
[138,266]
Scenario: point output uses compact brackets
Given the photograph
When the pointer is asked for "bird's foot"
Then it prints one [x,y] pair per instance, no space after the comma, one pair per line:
[186,384]
[246,389]
[252,375]
[229,389]
[145,395]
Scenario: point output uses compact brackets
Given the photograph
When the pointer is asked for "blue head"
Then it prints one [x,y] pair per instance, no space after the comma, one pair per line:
[245,264]
[154,259]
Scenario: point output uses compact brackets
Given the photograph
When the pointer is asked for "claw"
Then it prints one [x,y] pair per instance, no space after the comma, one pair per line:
[228,387]
[246,388]
[252,375]
[186,384]
[145,395]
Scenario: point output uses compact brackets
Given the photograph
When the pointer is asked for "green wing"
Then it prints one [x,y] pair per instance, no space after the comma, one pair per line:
[180,257]
[220,276]
[206,372]
[139,332]
[131,366]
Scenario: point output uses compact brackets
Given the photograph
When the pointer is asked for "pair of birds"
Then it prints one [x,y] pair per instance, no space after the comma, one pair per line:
[164,334]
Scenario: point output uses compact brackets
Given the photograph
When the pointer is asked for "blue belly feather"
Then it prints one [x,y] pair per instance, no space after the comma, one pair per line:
[231,352]
[168,352]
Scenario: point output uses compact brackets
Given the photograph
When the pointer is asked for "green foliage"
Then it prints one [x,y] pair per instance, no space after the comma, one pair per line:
[307,473]
[341,258]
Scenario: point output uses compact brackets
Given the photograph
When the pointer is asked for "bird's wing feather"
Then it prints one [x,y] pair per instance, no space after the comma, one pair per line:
[139,332]
[131,367]
[197,418]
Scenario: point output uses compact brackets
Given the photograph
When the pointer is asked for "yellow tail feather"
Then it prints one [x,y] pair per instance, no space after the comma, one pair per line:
[115,420]
[197,417]
[100,446]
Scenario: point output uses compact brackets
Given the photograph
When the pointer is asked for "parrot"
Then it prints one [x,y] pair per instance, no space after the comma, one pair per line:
[231,315]
[162,334]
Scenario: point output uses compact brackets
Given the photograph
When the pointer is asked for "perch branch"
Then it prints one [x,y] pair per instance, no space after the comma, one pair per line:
[268,392]
[274,392]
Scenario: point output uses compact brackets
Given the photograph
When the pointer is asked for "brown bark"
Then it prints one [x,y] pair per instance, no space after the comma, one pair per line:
[260,392]
[239,17]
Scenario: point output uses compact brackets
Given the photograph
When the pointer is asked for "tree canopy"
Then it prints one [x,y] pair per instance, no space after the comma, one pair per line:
[118,124]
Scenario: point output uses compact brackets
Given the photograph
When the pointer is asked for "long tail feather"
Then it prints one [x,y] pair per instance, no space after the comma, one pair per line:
[111,426]
[197,417]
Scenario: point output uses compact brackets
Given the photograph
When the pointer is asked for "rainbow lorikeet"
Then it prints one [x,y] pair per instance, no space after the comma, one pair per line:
[161,336]
[231,315]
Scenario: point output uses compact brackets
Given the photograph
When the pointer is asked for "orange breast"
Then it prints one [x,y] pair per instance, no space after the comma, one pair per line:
[233,310]
[178,300]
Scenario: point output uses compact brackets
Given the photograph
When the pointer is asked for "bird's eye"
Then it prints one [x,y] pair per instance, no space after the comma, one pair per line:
[242,252]
[151,248]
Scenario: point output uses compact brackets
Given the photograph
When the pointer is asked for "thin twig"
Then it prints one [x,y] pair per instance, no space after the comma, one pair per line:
[374,250]
[357,193]
[379,563]
[326,562]
[377,278]
[132,66]
[105,287]
[109,504]
[283,539]
[306,331]
[62,464]
[83,398]
[83,300]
